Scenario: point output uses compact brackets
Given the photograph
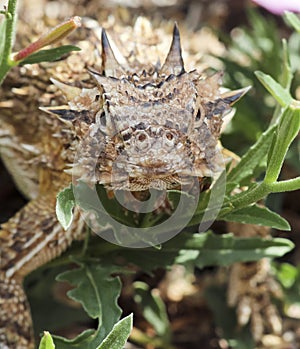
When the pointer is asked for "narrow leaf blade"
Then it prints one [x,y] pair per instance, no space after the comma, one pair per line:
[2,36]
[117,338]
[293,20]
[281,95]
[259,216]
[208,249]
[228,249]
[288,128]
[50,55]
[252,159]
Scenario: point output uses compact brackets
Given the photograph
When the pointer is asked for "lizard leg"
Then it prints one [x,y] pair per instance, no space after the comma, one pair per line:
[28,240]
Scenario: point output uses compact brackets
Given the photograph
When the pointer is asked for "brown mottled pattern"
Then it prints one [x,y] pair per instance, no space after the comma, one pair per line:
[157,122]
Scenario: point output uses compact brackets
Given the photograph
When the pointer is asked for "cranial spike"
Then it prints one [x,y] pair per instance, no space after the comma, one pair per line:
[174,62]
[232,97]
[110,65]
[69,91]
[63,112]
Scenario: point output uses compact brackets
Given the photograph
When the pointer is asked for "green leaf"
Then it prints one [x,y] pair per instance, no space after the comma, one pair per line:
[2,36]
[293,20]
[281,95]
[258,215]
[287,274]
[287,74]
[97,200]
[65,203]
[211,249]
[46,341]
[251,160]
[98,292]
[50,55]
[289,277]
[95,288]
[288,128]
[117,338]
[59,315]
[207,249]
[153,309]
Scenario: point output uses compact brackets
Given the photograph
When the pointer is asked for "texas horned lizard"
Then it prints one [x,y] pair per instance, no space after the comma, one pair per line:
[160,121]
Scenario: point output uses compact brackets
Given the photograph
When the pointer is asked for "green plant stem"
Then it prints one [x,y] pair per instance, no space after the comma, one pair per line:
[6,62]
[288,185]
[254,195]
[260,192]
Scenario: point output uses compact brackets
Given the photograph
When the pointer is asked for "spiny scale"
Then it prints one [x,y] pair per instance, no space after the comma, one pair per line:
[144,119]
[174,62]
[110,65]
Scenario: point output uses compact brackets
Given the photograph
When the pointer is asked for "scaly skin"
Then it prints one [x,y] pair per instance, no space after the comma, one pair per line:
[106,120]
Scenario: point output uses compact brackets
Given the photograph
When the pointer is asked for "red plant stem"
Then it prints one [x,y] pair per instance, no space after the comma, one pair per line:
[54,35]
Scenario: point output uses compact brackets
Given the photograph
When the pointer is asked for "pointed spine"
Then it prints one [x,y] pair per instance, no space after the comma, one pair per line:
[63,113]
[232,97]
[110,65]
[174,62]
[70,92]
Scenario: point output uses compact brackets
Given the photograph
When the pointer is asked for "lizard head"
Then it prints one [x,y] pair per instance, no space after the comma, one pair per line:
[152,128]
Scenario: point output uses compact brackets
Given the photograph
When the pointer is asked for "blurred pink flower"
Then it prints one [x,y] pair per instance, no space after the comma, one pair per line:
[279,6]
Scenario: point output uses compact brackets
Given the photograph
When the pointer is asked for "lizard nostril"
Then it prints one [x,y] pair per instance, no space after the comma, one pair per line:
[142,141]
[142,137]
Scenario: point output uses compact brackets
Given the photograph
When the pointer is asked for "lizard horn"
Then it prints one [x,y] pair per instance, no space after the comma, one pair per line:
[110,65]
[70,92]
[232,97]
[174,62]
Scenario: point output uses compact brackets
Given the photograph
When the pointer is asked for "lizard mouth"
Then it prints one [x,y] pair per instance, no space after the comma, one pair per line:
[142,183]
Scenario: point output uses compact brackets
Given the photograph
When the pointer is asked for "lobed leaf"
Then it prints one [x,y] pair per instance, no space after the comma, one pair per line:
[258,215]
[98,292]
